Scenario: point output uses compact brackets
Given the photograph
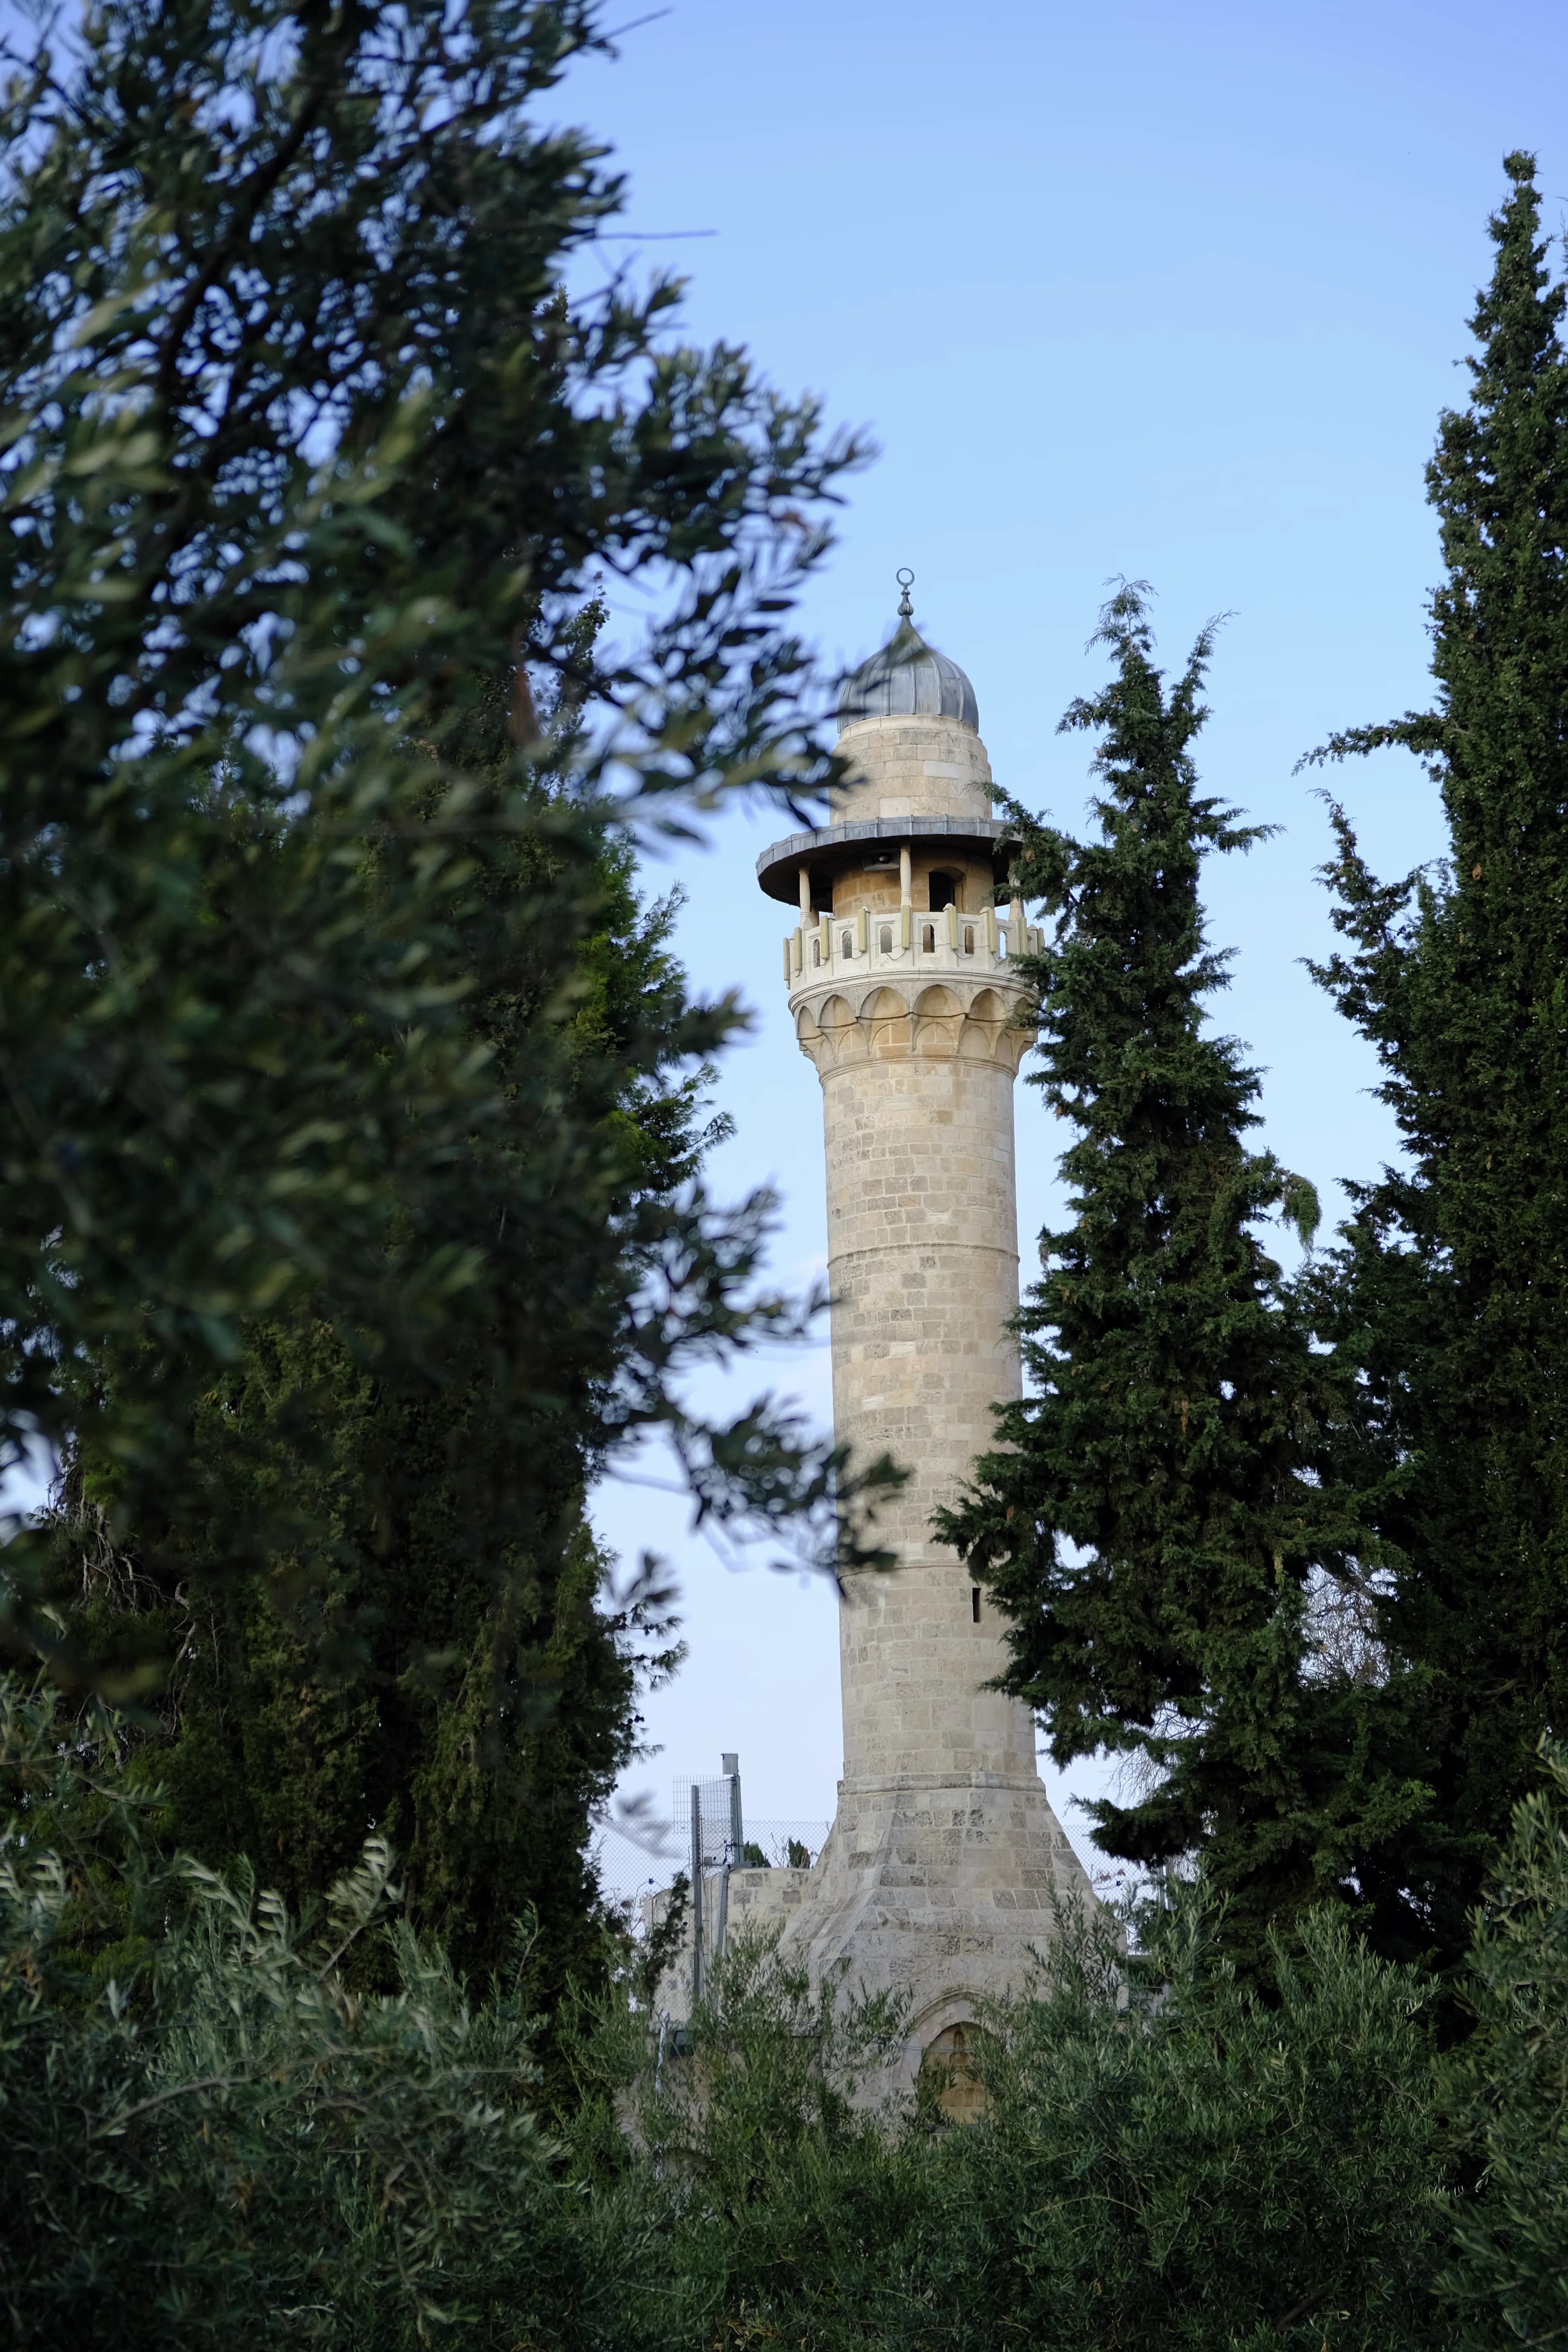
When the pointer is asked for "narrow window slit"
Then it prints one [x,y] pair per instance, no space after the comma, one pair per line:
[975,1601]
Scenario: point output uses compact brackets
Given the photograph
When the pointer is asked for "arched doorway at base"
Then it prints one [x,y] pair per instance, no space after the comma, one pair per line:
[948,2071]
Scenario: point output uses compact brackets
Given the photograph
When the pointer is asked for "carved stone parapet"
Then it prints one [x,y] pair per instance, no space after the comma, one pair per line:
[884,1018]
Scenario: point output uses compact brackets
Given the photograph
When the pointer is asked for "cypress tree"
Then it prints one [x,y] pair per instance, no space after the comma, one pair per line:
[1157,1518]
[1448,1299]
[435,1647]
[438,1656]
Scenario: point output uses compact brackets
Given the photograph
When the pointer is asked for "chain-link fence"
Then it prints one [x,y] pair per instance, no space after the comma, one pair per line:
[706,1822]
[706,1831]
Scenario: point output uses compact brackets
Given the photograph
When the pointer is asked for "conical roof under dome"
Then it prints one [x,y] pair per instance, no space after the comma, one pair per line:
[908,679]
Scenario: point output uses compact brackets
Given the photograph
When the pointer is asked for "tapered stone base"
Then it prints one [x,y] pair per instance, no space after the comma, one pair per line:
[938,1891]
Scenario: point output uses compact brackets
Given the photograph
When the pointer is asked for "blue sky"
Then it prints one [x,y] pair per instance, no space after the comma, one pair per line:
[1173,291]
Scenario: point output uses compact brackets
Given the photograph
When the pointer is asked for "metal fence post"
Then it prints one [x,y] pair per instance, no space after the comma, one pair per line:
[737,1833]
[696,1894]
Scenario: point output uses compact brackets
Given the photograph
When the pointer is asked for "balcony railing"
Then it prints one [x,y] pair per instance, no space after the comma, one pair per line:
[906,939]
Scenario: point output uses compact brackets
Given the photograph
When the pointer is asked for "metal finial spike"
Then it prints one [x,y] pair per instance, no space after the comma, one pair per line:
[906,580]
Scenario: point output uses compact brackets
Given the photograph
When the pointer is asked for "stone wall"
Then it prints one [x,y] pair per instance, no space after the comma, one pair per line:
[762,1903]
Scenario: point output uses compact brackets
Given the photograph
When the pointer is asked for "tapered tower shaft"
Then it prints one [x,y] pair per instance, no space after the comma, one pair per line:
[913,1042]
[945,1857]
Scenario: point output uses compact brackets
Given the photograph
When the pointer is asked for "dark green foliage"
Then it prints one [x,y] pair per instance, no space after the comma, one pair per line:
[1508,2089]
[1156,1522]
[661,1948]
[1189,2164]
[480,1729]
[304,450]
[228,2139]
[1166,2159]
[1449,1296]
[64,1794]
[440,1667]
[780,2209]
[224,2138]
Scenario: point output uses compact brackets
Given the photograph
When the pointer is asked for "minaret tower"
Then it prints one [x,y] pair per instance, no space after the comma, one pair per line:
[945,1855]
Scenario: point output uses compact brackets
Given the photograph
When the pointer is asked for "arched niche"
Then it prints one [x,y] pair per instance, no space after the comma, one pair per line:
[886,1019]
[839,1030]
[988,1020]
[938,1019]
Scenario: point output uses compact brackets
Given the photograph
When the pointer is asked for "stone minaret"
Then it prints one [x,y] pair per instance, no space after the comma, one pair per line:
[945,1855]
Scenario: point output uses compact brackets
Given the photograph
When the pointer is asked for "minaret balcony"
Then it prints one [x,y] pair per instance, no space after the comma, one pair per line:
[909,942]
[883,986]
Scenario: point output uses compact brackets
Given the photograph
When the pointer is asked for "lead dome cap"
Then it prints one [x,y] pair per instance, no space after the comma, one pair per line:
[907,678]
